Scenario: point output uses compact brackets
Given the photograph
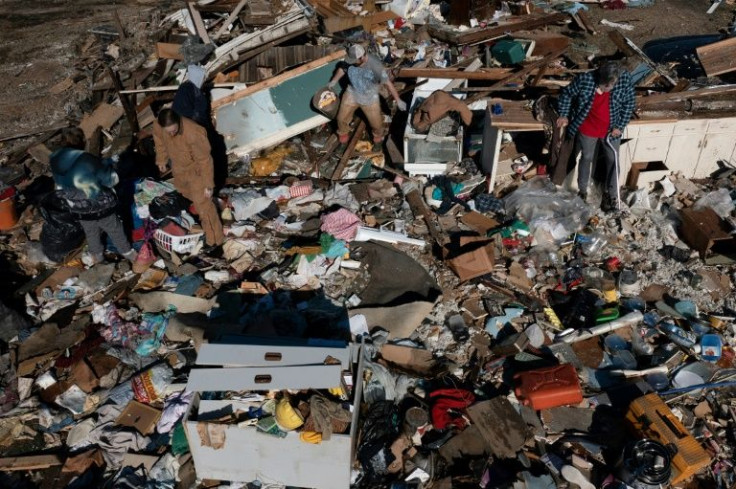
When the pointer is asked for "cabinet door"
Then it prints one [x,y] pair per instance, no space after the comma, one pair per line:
[684,153]
[724,124]
[656,130]
[651,149]
[625,158]
[715,147]
[693,126]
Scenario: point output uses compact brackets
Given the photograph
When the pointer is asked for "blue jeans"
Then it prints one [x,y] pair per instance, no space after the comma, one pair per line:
[588,148]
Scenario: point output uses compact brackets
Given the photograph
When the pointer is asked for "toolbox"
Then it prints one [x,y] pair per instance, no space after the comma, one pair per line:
[650,417]
[550,387]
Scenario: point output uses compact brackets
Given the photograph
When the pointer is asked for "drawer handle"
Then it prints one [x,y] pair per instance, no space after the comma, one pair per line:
[262,379]
[272,357]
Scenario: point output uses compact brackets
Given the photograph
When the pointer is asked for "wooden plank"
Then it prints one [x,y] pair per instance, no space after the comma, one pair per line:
[719,57]
[33,132]
[629,48]
[230,19]
[30,462]
[587,23]
[104,115]
[340,168]
[167,50]
[686,95]
[453,74]
[271,82]
[128,106]
[471,68]
[514,114]
[528,22]
[519,74]
[62,86]
[198,23]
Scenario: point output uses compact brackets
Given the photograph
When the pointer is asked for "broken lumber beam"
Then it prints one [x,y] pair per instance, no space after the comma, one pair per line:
[478,36]
[167,50]
[30,462]
[630,49]
[519,74]
[33,132]
[587,23]
[652,100]
[487,74]
[474,66]
[198,23]
[128,106]
[272,82]
[719,57]
[230,19]
[340,168]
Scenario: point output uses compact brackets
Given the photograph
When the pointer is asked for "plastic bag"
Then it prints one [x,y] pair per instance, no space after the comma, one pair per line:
[61,232]
[719,200]
[150,386]
[168,205]
[552,214]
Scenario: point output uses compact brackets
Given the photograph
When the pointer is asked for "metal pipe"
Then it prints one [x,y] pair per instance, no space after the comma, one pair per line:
[631,319]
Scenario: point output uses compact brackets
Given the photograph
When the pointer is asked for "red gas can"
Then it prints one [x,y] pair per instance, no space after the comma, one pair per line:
[546,388]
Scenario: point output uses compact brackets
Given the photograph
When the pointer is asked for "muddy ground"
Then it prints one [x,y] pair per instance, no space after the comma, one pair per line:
[41,42]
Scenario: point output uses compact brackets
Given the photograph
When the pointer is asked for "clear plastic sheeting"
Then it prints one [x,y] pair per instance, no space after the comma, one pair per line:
[552,214]
[719,200]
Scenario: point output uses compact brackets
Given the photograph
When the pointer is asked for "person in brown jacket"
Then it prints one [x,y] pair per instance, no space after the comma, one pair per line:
[185,143]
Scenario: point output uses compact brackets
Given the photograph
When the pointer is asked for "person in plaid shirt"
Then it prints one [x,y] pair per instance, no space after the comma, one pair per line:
[597,106]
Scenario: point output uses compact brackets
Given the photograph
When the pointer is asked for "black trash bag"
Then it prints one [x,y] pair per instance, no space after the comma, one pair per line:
[61,232]
[168,205]
[380,430]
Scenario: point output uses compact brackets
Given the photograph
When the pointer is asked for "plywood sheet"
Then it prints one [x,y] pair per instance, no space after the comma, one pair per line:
[719,57]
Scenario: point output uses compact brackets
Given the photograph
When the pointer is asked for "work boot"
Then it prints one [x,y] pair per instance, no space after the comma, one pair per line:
[377,147]
[609,203]
[583,195]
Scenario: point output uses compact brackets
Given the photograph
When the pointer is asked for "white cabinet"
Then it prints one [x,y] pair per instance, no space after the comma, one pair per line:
[726,124]
[690,127]
[651,148]
[684,153]
[715,147]
[659,129]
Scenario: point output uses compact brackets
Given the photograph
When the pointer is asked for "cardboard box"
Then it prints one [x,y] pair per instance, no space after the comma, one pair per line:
[475,257]
[232,453]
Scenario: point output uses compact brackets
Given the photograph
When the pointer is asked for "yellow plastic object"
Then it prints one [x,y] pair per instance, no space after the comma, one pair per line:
[337,392]
[652,418]
[287,417]
[552,318]
[310,437]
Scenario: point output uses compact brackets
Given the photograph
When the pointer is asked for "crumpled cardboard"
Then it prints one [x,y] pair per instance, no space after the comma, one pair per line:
[474,258]
[139,416]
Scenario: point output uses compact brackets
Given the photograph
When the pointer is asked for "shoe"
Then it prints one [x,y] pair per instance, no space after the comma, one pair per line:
[377,147]
[131,255]
[609,204]
[583,196]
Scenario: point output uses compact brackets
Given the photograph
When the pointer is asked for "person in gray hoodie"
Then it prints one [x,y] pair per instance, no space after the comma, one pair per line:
[86,182]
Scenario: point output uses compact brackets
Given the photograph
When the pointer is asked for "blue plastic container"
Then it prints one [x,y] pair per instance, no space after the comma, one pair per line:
[711,347]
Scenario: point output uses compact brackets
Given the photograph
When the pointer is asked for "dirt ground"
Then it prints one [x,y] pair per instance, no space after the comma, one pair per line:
[40,43]
[39,46]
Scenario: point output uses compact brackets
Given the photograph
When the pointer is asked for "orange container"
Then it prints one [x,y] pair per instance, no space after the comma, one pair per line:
[8,214]
[649,416]
[546,388]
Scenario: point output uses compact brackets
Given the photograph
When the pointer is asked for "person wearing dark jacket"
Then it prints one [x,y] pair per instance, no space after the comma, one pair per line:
[86,182]
[596,108]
